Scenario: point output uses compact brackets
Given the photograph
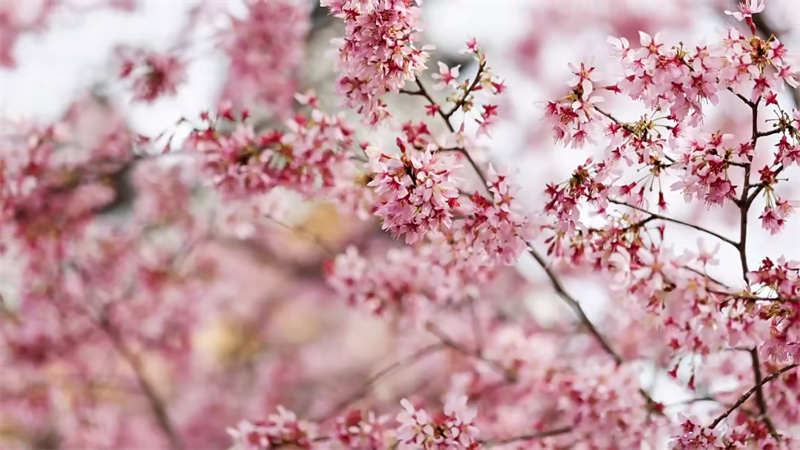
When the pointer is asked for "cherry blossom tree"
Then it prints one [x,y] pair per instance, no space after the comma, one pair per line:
[166,294]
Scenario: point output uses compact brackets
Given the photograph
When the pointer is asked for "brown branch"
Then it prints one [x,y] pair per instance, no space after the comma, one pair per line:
[615,120]
[709,277]
[467,93]
[365,388]
[446,117]
[424,93]
[669,219]
[559,288]
[156,403]
[769,133]
[508,374]
[762,404]
[755,298]
[747,394]
[652,405]
[746,100]
[744,203]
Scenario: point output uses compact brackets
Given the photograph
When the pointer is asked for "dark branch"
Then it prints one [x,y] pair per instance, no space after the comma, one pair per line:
[747,394]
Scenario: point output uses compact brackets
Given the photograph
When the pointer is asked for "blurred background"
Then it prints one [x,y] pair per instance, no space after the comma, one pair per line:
[269,326]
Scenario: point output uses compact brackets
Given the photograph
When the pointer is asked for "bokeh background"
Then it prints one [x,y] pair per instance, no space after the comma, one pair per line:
[277,334]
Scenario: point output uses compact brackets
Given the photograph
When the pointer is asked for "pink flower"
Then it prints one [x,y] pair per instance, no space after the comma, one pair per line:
[472,47]
[431,110]
[703,255]
[278,430]
[310,156]
[746,9]
[359,432]
[451,431]
[416,191]
[773,218]
[265,48]
[771,221]
[447,77]
[694,437]
[497,230]
[415,427]
[377,54]
[154,74]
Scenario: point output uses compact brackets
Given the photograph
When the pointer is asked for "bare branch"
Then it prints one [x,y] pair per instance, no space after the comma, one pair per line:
[669,219]
[752,390]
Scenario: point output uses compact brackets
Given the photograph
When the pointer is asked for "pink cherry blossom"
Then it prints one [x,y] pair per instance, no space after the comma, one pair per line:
[153,74]
[416,191]
[446,76]
[265,48]
[378,53]
[746,9]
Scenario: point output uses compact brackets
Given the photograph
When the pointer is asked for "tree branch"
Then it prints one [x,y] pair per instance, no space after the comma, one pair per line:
[559,288]
[669,219]
[469,90]
[768,133]
[157,405]
[364,389]
[752,390]
[507,374]
[446,117]
[762,404]
[424,93]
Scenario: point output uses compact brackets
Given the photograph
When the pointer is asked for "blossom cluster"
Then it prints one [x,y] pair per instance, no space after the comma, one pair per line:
[413,428]
[695,313]
[416,191]
[154,304]
[312,156]
[404,281]
[377,54]
[265,50]
[277,430]
[152,74]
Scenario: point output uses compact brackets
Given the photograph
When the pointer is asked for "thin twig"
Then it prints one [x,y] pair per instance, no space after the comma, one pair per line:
[469,90]
[768,133]
[669,219]
[559,288]
[448,341]
[446,117]
[747,394]
[476,333]
[652,405]
[692,401]
[615,120]
[424,93]
[365,388]
[302,232]
[157,405]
